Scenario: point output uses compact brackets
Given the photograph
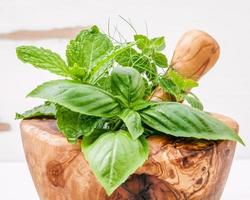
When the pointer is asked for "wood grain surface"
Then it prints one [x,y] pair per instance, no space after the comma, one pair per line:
[177,169]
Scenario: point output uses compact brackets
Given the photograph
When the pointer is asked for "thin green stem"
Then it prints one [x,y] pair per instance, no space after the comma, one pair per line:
[117,125]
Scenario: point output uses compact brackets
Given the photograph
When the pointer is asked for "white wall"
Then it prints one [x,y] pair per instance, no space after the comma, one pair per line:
[225,89]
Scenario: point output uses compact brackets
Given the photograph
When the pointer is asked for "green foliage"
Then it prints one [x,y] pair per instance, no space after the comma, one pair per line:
[43,59]
[194,101]
[142,41]
[114,156]
[146,44]
[78,97]
[168,86]
[158,43]
[127,83]
[106,101]
[73,124]
[182,121]
[131,58]
[101,68]
[160,59]
[89,47]
[146,60]
[181,82]
[177,85]
[48,109]
[132,120]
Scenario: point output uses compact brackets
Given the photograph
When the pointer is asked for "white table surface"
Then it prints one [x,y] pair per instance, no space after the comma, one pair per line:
[16,182]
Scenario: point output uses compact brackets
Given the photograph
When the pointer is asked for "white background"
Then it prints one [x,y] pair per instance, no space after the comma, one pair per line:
[225,89]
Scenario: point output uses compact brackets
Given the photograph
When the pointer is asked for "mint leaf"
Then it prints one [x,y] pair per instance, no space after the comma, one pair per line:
[131,58]
[78,73]
[73,124]
[114,156]
[46,110]
[78,97]
[102,67]
[181,82]
[127,83]
[194,101]
[127,57]
[132,121]
[177,85]
[160,59]
[43,59]
[140,61]
[142,41]
[158,44]
[168,86]
[89,47]
[183,121]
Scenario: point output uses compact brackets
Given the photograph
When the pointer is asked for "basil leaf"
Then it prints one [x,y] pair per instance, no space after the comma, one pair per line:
[127,83]
[43,59]
[160,59]
[142,41]
[73,124]
[183,121]
[194,101]
[141,104]
[114,156]
[89,47]
[78,97]
[46,110]
[132,121]
[158,43]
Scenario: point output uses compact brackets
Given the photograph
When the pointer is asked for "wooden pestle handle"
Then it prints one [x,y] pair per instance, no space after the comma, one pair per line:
[194,55]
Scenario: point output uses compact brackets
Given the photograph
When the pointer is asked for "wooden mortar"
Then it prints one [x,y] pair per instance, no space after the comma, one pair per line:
[177,168]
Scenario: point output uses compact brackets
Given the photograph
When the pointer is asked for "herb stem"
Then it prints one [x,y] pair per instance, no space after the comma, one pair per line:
[117,125]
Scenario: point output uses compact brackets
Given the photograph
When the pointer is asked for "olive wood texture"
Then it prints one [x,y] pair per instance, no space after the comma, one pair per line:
[176,169]
[194,55]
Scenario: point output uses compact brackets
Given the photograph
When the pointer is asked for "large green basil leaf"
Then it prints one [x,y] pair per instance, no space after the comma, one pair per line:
[89,47]
[81,98]
[46,110]
[73,124]
[128,83]
[183,121]
[132,121]
[114,156]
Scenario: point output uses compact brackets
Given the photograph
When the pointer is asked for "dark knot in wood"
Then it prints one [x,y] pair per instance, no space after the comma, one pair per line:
[55,173]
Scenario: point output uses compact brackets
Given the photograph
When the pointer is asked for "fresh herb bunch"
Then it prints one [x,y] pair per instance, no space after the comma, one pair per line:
[104,101]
